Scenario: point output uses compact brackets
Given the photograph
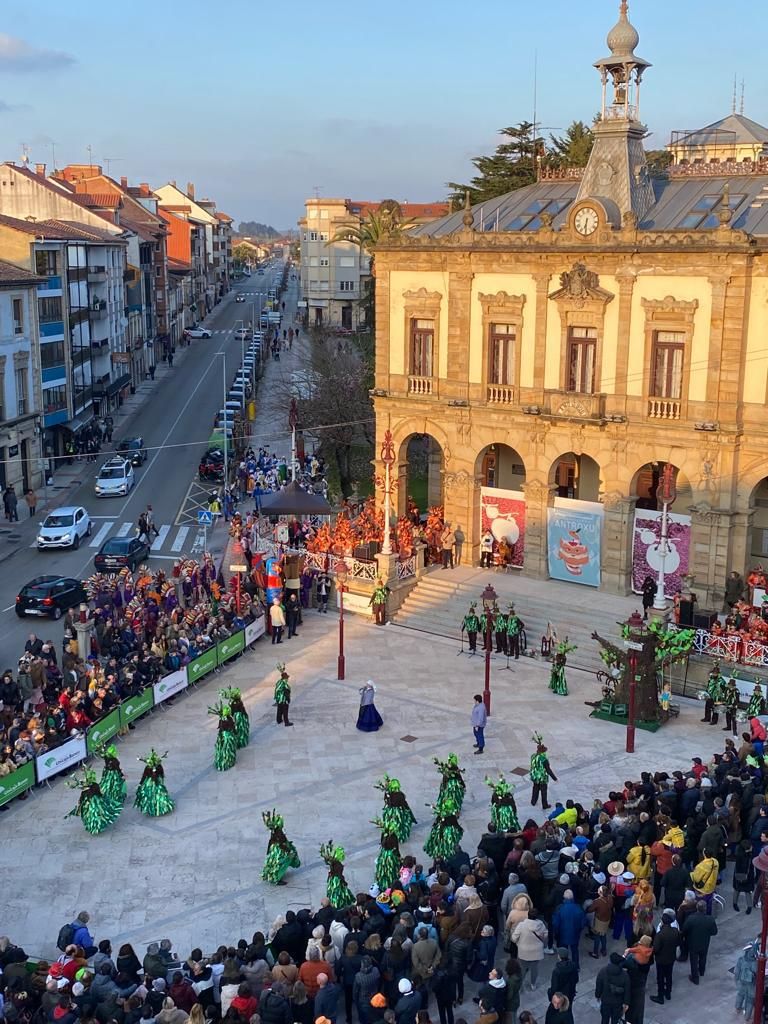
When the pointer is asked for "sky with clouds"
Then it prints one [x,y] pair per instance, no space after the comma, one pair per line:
[258,103]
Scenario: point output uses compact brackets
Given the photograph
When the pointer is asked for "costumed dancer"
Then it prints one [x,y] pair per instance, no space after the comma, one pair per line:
[540,772]
[338,892]
[282,697]
[387,870]
[95,810]
[379,600]
[557,683]
[446,832]
[452,782]
[503,806]
[225,749]
[234,698]
[152,798]
[713,694]
[368,718]
[486,624]
[281,853]
[500,629]
[515,627]
[397,814]
[731,701]
[470,623]
[756,704]
[112,779]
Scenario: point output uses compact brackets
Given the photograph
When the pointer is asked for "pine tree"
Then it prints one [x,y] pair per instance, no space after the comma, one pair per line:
[512,166]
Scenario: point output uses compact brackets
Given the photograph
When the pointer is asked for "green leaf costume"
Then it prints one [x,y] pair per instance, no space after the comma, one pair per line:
[756,704]
[152,798]
[538,769]
[557,683]
[446,832]
[452,784]
[112,779]
[388,861]
[225,749]
[715,686]
[397,814]
[338,892]
[281,853]
[240,716]
[470,622]
[503,806]
[95,810]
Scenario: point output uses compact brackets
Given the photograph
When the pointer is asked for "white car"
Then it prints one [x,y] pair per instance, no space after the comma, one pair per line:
[64,527]
[115,477]
[197,332]
[242,334]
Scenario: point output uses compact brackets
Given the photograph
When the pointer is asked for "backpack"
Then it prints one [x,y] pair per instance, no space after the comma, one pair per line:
[66,936]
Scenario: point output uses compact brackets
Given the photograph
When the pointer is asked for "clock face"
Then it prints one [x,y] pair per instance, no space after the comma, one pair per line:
[586,220]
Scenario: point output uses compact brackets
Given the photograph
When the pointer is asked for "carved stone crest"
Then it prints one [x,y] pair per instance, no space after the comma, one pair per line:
[535,491]
[579,285]
[571,405]
[459,481]
[613,500]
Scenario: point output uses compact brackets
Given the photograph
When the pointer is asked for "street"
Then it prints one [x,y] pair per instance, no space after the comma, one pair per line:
[175,422]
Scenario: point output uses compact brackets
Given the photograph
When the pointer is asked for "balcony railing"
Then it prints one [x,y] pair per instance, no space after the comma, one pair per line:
[98,309]
[501,394]
[420,385]
[664,408]
[97,273]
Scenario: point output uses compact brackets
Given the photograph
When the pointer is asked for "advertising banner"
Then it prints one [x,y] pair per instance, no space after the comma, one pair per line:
[135,707]
[201,666]
[574,534]
[170,685]
[503,513]
[56,760]
[17,782]
[646,547]
[226,649]
[254,630]
[103,730]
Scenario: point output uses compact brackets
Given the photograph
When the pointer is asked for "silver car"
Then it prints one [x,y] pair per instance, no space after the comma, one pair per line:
[64,527]
[115,477]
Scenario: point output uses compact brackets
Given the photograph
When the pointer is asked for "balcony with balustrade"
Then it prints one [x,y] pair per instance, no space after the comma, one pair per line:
[664,408]
[422,387]
[501,394]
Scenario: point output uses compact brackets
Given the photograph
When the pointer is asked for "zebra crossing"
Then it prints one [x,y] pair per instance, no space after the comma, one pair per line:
[172,540]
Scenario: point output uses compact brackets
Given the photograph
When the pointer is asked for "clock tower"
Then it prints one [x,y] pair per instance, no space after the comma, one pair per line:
[617,173]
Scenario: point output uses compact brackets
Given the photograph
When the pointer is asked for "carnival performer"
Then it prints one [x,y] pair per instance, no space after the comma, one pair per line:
[714,694]
[368,718]
[152,798]
[338,892]
[515,627]
[379,600]
[451,782]
[95,810]
[756,704]
[112,779]
[471,624]
[503,806]
[225,748]
[281,853]
[500,629]
[557,683]
[540,772]
[387,870]
[446,832]
[731,701]
[485,623]
[397,814]
[234,698]
[282,697]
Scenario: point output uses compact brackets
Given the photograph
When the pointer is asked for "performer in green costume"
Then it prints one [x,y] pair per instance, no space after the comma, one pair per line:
[713,695]
[281,853]
[282,696]
[471,624]
[234,698]
[152,798]
[756,704]
[446,832]
[95,810]
[112,779]
[503,806]
[515,626]
[500,629]
[540,772]
[452,784]
[557,683]
[225,749]
[388,861]
[397,814]
[338,892]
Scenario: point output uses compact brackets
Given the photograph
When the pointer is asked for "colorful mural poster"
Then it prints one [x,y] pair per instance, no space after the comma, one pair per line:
[503,513]
[574,532]
[646,545]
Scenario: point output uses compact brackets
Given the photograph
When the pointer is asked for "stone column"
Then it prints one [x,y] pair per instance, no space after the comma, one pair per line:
[618,536]
[626,278]
[710,550]
[542,280]
[538,498]
[84,632]
[456,385]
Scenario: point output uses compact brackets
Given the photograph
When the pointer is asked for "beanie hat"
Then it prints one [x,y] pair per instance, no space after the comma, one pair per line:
[404,986]
[78,988]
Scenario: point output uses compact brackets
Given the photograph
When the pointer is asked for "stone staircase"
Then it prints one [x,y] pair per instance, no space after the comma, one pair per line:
[439,601]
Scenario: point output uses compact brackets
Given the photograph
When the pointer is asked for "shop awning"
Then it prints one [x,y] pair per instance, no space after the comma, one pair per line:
[117,385]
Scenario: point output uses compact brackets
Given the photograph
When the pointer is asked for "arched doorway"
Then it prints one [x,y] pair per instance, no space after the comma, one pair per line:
[421,473]
[499,465]
[500,502]
[646,484]
[758,533]
[576,476]
[647,547]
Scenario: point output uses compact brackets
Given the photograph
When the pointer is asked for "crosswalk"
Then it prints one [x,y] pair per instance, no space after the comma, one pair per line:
[172,540]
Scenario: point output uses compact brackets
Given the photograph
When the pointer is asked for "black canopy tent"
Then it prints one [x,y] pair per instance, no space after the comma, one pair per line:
[292,500]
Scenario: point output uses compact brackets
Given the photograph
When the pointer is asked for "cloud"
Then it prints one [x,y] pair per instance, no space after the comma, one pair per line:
[13,108]
[18,56]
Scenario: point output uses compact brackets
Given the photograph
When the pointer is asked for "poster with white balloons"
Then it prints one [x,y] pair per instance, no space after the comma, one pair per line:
[646,550]
[503,513]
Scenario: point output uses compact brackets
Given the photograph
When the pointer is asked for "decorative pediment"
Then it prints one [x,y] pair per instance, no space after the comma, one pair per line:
[579,286]
[420,301]
[422,295]
[502,304]
[670,307]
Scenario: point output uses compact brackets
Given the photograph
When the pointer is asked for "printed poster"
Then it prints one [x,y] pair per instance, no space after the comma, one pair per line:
[646,545]
[503,513]
[574,534]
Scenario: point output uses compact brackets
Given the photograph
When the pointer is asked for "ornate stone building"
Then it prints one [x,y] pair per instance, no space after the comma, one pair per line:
[560,344]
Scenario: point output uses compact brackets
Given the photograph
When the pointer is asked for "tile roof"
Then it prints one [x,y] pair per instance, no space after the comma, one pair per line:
[61,230]
[11,274]
[225,217]
[179,266]
[104,200]
[408,209]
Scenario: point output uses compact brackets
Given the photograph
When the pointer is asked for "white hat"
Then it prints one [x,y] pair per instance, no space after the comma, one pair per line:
[628,876]
[404,986]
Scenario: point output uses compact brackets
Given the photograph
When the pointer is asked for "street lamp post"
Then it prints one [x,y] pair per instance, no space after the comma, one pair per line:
[242,358]
[224,409]
[761,864]
[388,458]
[635,623]
[666,492]
[488,598]
[342,574]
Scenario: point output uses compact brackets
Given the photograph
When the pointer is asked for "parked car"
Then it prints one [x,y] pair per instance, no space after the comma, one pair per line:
[133,448]
[115,477]
[242,334]
[49,595]
[64,527]
[197,332]
[119,552]
[239,298]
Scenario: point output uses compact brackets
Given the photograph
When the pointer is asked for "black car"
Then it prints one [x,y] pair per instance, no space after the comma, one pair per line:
[49,595]
[119,552]
[133,448]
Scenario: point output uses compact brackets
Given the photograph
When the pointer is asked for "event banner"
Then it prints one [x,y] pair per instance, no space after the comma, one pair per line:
[201,666]
[135,707]
[56,760]
[573,542]
[170,685]
[226,649]
[503,513]
[254,630]
[646,546]
[17,782]
[103,730]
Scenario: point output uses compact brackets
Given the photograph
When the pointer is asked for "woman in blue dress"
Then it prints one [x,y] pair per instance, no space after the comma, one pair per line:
[369,719]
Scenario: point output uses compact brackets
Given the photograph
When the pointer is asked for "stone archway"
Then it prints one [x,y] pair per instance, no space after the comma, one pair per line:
[421,468]
[645,487]
[576,477]
[500,468]
[757,539]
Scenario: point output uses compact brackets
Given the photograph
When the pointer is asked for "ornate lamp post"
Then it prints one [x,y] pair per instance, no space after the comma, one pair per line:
[388,458]
[635,624]
[666,494]
[761,864]
[342,574]
[488,597]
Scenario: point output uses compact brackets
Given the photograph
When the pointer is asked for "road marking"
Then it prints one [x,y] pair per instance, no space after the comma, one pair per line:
[124,530]
[181,536]
[199,542]
[166,558]
[10,606]
[159,540]
[100,537]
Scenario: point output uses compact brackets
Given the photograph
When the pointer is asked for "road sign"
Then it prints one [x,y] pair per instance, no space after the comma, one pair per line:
[204,517]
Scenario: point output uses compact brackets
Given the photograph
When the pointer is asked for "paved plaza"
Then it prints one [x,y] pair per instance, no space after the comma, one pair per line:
[195,876]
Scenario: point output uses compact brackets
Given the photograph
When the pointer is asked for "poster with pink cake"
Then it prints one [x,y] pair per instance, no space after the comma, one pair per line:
[646,550]
[503,513]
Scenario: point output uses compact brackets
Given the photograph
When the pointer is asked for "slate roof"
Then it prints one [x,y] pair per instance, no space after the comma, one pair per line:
[733,129]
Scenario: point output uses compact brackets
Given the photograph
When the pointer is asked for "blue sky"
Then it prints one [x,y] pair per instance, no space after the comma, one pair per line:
[257,103]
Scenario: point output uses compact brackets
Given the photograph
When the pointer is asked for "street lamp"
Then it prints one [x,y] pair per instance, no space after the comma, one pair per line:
[666,493]
[242,357]
[224,410]
[636,625]
[761,864]
[388,458]
[342,574]
[488,597]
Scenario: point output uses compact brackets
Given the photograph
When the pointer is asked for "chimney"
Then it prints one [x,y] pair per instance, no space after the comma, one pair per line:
[144,188]
[40,170]
[190,190]
[123,181]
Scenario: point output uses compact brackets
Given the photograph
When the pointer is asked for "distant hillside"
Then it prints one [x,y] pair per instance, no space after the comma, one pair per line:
[253,229]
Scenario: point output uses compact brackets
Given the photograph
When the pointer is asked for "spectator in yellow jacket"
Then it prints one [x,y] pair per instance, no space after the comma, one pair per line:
[704,878]
[639,861]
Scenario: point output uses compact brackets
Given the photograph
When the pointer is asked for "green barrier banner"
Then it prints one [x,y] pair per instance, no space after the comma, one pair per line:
[134,707]
[103,730]
[201,666]
[17,782]
[228,648]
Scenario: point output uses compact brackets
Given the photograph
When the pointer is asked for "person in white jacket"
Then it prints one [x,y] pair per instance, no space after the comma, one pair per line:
[530,937]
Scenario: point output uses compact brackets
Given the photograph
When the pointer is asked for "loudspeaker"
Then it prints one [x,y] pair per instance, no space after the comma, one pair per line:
[686,612]
[361,552]
[704,619]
